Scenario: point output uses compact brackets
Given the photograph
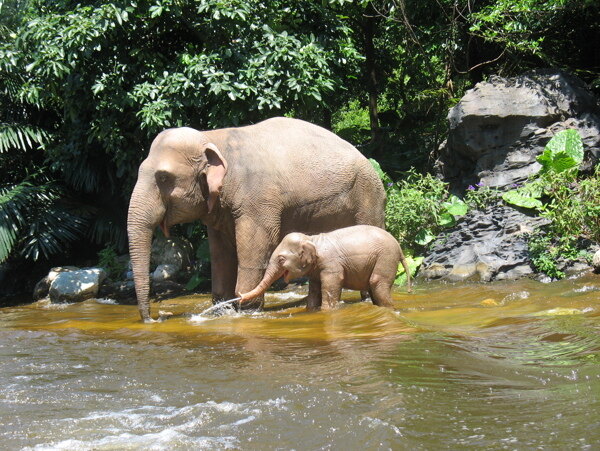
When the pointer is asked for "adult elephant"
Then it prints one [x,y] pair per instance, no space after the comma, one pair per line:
[251,186]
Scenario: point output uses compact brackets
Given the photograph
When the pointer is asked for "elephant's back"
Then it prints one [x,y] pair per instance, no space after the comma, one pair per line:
[307,170]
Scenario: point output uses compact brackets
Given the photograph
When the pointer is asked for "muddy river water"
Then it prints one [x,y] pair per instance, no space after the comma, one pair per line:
[470,366]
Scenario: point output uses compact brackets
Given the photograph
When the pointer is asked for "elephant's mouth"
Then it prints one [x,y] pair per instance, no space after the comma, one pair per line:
[286,276]
[164,227]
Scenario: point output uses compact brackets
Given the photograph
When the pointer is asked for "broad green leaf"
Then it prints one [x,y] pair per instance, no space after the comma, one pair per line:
[562,162]
[515,197]
[424,237]
[455,206]
[413,266]
[567,141]
[447,220]
[563,152]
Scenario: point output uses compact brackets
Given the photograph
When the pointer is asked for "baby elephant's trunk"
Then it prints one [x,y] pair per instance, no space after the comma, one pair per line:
[273,273]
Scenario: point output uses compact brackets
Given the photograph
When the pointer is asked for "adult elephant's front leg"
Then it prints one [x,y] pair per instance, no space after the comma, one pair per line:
[254,246]
[223,266]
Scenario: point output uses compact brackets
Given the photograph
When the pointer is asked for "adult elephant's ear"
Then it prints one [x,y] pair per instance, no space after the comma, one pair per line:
[216,168]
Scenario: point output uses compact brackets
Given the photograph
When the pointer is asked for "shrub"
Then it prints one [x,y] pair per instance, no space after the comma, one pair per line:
[571,202]
[418,208]
[108,259]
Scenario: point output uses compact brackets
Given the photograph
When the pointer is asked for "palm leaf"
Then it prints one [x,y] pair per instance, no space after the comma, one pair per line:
[21,137]
[51,232]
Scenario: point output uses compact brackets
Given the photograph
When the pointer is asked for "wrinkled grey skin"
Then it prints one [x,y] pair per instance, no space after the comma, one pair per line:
[361,257]
[251,186]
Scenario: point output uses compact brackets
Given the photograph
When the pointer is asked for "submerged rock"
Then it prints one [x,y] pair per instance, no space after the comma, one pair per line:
[77,285]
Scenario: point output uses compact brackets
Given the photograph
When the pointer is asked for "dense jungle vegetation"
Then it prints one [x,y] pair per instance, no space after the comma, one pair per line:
[86,85]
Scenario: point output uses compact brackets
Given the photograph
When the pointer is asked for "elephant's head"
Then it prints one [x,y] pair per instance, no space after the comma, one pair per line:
[295,257]
[178,182]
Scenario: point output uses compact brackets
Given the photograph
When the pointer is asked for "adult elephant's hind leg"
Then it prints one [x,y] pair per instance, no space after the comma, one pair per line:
[254,247]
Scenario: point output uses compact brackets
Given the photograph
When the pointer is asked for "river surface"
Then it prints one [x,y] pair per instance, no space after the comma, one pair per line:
[470,366]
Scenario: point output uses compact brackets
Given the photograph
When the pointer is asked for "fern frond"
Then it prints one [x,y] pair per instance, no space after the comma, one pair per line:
[18,203]
[21,137]
[51,232]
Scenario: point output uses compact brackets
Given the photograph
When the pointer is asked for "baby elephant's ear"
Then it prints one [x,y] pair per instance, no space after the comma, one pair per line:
[308,253]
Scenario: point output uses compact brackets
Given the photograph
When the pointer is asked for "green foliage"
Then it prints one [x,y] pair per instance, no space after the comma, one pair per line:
[560,160]
[518,25]
[574,206]
[418,207]
[413,266]
[351,122]
[563,152]
[479,196]
[108,259]
[526,196]
[34,222]
[538,33]
[546,251]
[571,203]
[544,255]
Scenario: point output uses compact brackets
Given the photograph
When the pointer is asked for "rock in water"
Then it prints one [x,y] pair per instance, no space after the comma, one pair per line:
[76,286]
[484,246]
[596,262]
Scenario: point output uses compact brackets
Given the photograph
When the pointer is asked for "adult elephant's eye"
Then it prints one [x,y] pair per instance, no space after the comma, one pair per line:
[162,177]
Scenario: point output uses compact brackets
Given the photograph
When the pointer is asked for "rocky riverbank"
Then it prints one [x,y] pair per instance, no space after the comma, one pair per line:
[496,132]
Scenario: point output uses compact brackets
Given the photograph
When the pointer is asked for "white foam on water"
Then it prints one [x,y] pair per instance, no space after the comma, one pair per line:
[586,288]
[107,301]
[163,440]
[198,318]
[290,295]
[206,425]
[517,296]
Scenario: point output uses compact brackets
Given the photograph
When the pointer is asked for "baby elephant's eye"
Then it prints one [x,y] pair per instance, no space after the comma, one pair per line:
[281,259]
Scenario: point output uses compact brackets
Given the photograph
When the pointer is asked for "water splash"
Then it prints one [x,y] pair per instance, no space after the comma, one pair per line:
[219,306]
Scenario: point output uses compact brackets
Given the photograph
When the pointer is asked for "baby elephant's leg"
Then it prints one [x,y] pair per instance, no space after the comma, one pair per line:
[381,282]
[331,289]
[313,300]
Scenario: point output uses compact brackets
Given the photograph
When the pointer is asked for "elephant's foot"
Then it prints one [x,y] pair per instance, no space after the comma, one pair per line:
[253,304]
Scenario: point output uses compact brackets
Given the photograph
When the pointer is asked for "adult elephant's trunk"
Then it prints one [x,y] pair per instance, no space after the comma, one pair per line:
[145,213]
[274,271]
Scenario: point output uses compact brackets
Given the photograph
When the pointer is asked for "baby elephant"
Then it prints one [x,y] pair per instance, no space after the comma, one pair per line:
[360,257]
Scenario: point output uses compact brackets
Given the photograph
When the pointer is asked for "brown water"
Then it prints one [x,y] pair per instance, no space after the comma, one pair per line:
[501,366]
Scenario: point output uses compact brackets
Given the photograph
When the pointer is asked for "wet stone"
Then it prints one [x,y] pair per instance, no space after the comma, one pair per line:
[76,286]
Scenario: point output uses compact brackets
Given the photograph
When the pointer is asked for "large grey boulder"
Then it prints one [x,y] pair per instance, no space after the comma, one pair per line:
[165,272]
[42,288]
[496,132]
[484,246]
[500,126]
[77,285]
